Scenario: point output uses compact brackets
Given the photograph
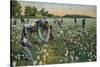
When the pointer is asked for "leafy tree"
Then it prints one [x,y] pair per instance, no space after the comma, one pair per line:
[15,8]
[34,11]
[46,13]
[50,15]
[42,11]
[28,11]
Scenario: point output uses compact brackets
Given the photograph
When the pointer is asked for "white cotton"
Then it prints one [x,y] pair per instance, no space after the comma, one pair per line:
[44,59]
[44,50]
[47,54]
[77,58]
[40,62]
[66,54]
[44,56]
[61,60]
[38,57]
[35,62]
[27,25]
[24,40]
[14,63]
[61,31]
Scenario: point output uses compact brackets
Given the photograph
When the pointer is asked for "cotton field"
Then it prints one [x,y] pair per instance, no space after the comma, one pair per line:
[70,44]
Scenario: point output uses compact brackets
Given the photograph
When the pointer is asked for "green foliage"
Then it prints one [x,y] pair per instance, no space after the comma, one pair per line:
[78,16]
[30,11]
[34,11]
[15,8]
[43,12]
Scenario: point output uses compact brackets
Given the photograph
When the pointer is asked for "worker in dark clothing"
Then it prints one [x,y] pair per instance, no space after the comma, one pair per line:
[15,21]
[83,23]
[22,20]
[75,20]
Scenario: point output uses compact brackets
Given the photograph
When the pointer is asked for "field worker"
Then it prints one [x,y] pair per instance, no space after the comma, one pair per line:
[27,48]
[15,21]
[83,23]
[75,20]
[61,22]
[44,20]
[43,30]
[28,28]
[46,31]
[55,20]
[39,24]
[22,20]
[51,33]
[28,21]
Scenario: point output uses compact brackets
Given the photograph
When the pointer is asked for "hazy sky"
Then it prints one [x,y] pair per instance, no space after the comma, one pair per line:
[62,9]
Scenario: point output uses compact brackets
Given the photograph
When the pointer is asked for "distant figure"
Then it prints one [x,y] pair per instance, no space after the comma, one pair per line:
[83,23]
[51,35]
[75,20]
[58,22]
[22,20]
[15,20]
[55,21]
[45,20]
[61,21]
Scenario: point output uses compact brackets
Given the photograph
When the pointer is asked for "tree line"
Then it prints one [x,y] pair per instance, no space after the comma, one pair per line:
[30,11]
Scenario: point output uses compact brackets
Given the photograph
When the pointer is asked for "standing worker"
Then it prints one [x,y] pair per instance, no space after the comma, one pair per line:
[15,21]
[75,20]
[83,23]
[22,20]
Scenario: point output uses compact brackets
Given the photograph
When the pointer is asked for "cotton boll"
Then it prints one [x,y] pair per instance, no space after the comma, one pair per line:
[75,42]
[61,32]
[72,58]
[44,51]
[45,46]
[35,62]
[66,53]
[61,60]
[40,62]
[38,57]
[77,58]
[16,57]
[44,56]
[66,59]
[23,55]
[12,54]
[14,63]
[89,60]
[47,54]
[73,52]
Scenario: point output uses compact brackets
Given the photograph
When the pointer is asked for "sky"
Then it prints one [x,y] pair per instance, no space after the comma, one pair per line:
[62,9]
